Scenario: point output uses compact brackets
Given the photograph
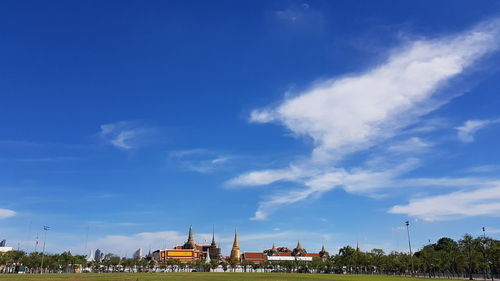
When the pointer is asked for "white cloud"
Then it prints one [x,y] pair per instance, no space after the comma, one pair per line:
[301,14]
[465,133]
[411,145]
[484,169]
[126,135]
[492,231]
[199,160]
[362,181]
[351,114]
[6,213]
[267,177]
[479,202]
[347,114]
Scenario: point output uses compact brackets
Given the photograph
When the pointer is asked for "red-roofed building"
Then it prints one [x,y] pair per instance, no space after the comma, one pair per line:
[283,254]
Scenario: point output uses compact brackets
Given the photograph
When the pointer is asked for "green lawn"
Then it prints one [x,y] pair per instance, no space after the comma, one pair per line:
[199,277]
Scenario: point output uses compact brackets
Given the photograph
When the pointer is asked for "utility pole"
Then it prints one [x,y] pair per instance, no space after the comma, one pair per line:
[409,245]
[45,228]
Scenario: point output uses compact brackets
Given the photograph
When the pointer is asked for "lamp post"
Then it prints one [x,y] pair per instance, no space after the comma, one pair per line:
[45,228]
[486,261]
[409,245]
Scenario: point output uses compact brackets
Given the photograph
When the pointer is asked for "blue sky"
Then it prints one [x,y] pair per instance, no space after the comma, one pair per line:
[332,122]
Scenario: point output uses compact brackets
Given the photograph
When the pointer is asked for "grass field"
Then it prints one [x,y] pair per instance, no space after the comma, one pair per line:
[198,277]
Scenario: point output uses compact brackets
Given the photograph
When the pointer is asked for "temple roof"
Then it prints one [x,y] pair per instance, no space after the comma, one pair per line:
[299,250]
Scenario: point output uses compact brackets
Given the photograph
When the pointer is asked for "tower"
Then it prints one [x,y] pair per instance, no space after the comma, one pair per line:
[235,251]
[207,258]
[214,251]
[299,251]
[323,253]
[273,251]
[190,243]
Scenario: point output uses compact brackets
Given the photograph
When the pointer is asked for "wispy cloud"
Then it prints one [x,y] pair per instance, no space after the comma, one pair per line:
[482,201]
[298,13]
[199,160]
[466,132]
[6,213]
[411,145]
[127,135]
[492,230]
[47,159]
[352,114]
[483,169]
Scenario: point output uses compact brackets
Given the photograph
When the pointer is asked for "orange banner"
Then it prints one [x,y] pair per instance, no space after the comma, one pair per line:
[179,254]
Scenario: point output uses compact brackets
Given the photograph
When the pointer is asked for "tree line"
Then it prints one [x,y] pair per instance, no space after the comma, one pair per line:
[466,257]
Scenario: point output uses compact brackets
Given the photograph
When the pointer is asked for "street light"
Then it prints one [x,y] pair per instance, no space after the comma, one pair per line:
[489,263]
[45,228]
[409,245]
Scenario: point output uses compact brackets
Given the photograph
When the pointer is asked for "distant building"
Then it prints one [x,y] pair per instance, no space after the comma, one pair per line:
[137,254]
[214,251]
[90,257]
[190,251]
[98,255]
[284,254]
[3,247]
[323,253]
[155,255]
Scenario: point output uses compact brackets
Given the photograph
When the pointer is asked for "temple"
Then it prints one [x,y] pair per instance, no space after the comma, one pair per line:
[190,251]
[299,253]
[235,251]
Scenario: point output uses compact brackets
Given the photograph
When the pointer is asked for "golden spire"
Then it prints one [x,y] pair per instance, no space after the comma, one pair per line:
[190,244]
[235,251]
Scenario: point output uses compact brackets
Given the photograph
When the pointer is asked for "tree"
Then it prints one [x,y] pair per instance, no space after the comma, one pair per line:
[469,247]
[224,266]
[430,257]
[214,264]
[377,258]
[255,266]
[233,264]
[245,264]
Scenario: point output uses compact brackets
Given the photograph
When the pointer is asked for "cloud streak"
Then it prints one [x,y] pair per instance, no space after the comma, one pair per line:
[482,201]
[126,135]
[358,112]
[6,213]
[466,132]
[199,160]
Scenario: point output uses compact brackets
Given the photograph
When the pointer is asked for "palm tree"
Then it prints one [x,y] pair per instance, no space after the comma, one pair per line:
[214,264]
[224,266]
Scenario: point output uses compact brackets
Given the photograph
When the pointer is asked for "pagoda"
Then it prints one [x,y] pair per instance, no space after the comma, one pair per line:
[235,251]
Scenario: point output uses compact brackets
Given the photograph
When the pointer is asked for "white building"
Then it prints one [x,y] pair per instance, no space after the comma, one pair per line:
[5,249]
